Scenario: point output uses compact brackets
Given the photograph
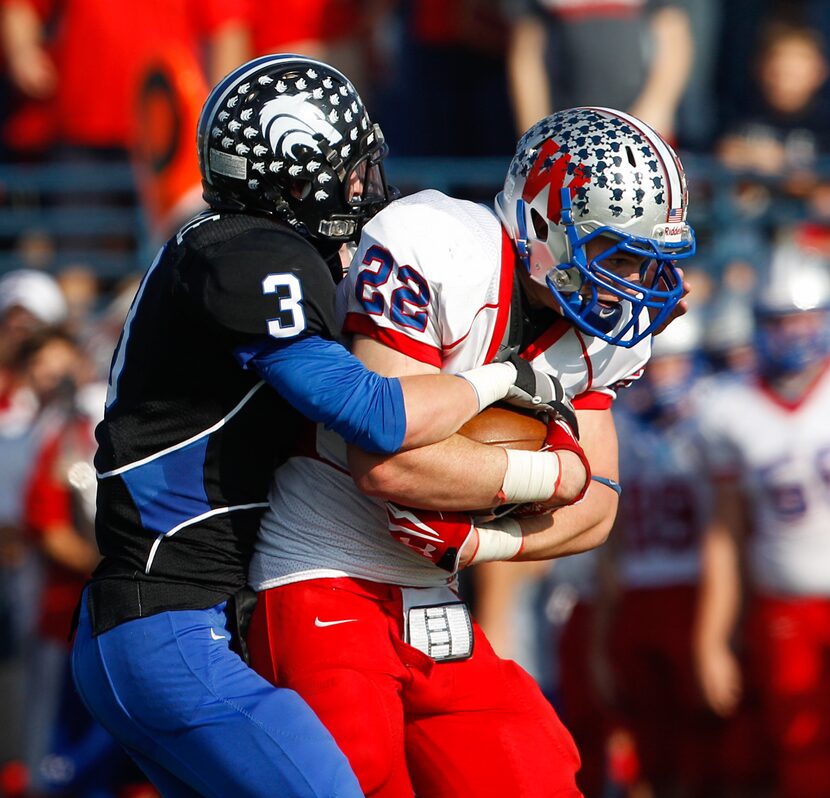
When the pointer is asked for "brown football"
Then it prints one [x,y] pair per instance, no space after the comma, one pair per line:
[511,428]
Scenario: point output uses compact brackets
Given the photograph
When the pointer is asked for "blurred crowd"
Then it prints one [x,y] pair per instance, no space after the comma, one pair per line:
[672,655]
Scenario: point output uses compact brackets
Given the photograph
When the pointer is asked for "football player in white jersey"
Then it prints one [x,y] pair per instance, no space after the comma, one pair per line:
[574,269]
[651,570]
[769,445]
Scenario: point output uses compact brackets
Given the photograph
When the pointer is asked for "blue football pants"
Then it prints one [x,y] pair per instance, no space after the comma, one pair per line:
[196,719]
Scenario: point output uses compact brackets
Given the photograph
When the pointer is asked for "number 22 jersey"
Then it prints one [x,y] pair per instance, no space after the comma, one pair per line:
[433,278]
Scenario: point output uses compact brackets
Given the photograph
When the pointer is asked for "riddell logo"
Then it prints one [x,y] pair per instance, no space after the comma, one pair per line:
[548,170]
[670,232]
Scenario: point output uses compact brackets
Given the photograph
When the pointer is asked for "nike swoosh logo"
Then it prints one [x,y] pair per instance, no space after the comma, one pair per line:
[318,622]
[214,636]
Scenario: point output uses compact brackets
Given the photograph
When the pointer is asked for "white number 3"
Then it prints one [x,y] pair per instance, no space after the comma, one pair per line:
[289,293]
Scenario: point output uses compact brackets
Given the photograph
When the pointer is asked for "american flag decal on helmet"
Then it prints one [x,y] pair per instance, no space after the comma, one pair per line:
[675,216]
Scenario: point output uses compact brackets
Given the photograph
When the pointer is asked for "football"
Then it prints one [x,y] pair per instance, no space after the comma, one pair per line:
[509,427]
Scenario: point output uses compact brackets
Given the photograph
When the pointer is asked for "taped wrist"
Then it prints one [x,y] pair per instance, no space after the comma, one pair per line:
[490,382]
[498,540]
[530,476]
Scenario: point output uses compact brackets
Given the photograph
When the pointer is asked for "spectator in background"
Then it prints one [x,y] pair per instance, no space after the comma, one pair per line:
[766,548]
[51,363]
[67,751]
[29,301]
[338,32]
[630,54]
[103,333]
[85,58]
[787,129]
[80,288]
[89,66]
[697,116]
[28,81]
[450,97]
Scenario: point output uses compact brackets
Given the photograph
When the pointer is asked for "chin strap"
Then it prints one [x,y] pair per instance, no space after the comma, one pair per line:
[522,246]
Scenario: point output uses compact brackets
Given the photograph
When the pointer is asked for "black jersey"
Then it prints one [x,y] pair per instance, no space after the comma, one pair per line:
[190,438]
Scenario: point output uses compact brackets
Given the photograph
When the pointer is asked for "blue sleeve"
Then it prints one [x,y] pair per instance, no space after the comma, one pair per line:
[328,384]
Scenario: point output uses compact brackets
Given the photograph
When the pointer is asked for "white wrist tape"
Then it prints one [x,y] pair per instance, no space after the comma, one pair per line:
[498,540]
[530,476]
[491,382]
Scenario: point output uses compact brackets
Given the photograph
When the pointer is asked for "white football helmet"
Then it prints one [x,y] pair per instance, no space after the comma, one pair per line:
[798,281]
[588,172]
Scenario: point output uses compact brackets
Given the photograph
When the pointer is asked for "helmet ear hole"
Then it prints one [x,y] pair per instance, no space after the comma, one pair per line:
[540,225]
[299,189]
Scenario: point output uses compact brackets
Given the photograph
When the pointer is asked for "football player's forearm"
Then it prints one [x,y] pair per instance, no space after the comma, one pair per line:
[669,71]
[454,474]
[527,73]
[570,530]
[436,406]
[719,601]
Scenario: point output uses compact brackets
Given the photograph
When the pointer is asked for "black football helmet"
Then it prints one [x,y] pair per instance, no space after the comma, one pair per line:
[287,135]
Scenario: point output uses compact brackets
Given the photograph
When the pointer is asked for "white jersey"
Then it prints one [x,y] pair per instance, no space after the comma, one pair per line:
[665,503]
[781,455]
[432,278]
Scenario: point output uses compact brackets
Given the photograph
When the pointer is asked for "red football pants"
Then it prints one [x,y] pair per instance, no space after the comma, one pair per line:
[651,647]
[678,738]
[790,641]
[477,727]
[588,719]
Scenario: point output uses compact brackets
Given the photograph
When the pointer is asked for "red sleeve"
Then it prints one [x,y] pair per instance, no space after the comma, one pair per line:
[593,400]
[48,500]
[358,324]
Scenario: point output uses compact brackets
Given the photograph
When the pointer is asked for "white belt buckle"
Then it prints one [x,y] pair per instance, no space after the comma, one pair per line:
[443,631]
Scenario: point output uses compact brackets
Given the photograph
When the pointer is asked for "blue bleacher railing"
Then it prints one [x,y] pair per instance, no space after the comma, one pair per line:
[37,200]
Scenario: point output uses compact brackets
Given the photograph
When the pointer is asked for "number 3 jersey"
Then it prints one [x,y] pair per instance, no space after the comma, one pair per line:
[780,454]
[433,278]
[190,439]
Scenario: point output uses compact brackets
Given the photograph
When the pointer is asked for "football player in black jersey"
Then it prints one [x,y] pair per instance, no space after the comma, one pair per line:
[230,341]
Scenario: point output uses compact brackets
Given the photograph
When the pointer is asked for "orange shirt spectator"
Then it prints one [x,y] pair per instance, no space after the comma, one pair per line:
[99,48]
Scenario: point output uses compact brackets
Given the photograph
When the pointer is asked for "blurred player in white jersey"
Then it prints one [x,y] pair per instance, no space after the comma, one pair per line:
[575,270]
[651,569]
[769,444]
